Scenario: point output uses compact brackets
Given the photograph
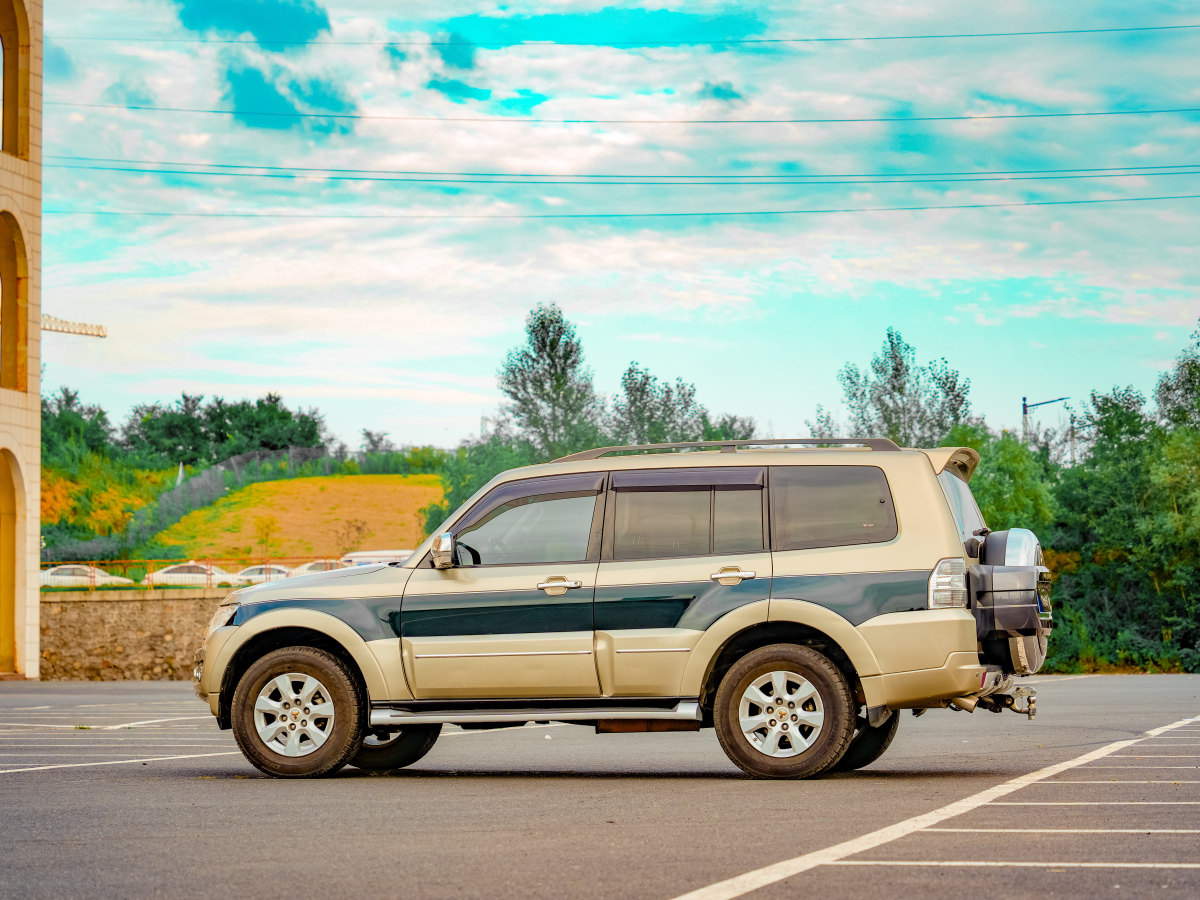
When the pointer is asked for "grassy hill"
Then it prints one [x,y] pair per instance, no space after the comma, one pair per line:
[310,512]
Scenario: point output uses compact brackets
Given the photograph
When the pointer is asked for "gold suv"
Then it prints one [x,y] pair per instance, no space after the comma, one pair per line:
[793,595]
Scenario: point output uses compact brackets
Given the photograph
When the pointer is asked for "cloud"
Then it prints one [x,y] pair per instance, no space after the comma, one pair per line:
[277,24]
[128,90]
[394,55]
[455,50]
[722,90]
[269,99]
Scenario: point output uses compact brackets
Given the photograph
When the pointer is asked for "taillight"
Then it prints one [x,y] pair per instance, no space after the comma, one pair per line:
[948,584]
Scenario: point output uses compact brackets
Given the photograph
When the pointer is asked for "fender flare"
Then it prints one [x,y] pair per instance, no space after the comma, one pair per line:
[376,679]
[799,612]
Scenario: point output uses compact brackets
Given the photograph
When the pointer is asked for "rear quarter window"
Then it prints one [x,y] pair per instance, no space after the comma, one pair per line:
[830,506]
[966,512]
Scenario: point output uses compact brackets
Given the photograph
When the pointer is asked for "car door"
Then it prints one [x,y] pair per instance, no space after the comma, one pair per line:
[682,547]
[513,616]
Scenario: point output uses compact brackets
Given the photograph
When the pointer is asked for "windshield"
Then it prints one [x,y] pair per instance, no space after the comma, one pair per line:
[966,511]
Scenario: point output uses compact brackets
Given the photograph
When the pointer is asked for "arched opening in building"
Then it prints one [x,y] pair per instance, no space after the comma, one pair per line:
[14,306]
[14,42]
[12,499]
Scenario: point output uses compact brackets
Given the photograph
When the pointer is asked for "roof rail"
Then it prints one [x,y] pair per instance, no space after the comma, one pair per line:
[729,446]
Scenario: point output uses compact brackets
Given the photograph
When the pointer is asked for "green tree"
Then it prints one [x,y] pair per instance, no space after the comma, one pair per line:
[552,402]
[1178,392]
[913,405]
[650,411]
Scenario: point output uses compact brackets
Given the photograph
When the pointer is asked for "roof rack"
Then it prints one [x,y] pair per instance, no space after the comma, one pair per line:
[729,446]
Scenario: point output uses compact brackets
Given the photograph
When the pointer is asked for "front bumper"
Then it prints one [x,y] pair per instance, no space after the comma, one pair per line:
[207,677]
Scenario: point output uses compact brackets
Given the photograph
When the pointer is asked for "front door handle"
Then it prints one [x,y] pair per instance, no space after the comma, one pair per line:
[556,585]
[731,575]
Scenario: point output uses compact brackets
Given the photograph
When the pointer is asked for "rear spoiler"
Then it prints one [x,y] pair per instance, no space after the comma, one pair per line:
[959,460]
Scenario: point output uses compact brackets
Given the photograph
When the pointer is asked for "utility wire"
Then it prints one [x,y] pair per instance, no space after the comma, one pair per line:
[639,215]
[313,169]
[513,120]
[607,183]
[648,42]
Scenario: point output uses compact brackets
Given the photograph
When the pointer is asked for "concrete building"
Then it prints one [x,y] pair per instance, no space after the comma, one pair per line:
[20,350]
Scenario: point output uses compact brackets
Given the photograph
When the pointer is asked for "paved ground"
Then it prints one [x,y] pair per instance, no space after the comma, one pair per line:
[130,790]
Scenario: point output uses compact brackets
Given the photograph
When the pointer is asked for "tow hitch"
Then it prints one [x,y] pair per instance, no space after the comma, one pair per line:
[1022,701]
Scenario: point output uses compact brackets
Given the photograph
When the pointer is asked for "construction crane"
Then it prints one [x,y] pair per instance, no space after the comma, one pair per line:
[53,323]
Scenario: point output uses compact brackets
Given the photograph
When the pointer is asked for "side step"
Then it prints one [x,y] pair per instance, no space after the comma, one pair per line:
[686,710]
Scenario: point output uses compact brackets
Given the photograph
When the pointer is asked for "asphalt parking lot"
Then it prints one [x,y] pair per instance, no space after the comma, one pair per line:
[129,789]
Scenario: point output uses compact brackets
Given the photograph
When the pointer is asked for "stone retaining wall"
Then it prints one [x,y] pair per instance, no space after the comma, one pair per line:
[123,635]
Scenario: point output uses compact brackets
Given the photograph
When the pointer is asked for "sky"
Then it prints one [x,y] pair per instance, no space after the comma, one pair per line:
[437,169]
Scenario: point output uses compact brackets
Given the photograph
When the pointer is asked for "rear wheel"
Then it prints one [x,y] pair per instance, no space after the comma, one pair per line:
[784,711]
[869,742]
[297,712]
[396,749]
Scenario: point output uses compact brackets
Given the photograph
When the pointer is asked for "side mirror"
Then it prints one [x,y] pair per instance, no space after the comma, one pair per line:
[442,550]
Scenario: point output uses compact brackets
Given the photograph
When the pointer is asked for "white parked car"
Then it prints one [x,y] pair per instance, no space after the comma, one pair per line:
[318,565]
[194,574]
[267,572]
[366,557]
[80,576]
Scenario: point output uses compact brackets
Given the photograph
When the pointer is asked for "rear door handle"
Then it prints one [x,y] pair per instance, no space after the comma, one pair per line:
[556,585]
[730,575]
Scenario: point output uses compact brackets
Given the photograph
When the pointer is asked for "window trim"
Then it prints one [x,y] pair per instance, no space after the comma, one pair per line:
[709,480]
[890,506]
[492,500]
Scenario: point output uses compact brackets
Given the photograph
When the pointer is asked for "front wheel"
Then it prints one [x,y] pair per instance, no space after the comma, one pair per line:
[784,711]
[297,713]
[396,749]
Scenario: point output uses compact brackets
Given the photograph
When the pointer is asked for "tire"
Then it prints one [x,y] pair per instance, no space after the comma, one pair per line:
[817,690]
[397,750]
[314,737]
[869,743]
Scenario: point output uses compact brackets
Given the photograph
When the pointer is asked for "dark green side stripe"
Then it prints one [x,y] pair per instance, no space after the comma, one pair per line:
[857,597]
[370,619]
[493,612]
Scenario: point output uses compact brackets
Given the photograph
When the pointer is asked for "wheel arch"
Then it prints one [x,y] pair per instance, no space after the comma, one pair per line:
[775,622]
[287,628]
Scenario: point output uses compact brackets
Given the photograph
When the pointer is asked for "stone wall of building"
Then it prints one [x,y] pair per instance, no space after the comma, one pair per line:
[123,635]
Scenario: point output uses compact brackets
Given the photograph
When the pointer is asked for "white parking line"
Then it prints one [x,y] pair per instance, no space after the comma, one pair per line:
[991,864]
[117,762]
[1142,767]
[758,878]
[1023,830]
[1097,803]
[1116,781]
[153,722]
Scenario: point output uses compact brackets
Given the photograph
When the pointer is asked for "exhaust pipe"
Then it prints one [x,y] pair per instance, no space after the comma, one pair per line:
[966,704]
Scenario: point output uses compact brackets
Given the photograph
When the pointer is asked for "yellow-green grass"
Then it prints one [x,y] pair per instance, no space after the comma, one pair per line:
[310,513]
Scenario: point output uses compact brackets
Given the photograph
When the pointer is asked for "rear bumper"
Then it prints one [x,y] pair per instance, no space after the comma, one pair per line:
[962,675]
[926,656]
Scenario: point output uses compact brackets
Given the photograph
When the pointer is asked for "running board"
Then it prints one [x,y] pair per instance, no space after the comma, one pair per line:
[688,710]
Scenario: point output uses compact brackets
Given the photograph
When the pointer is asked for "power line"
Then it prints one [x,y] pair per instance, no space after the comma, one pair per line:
[314,169]
[639,215]
[648,42]
[608,183]
[513,120]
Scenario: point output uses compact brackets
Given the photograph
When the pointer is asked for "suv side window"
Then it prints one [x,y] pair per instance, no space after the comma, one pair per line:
[665,513]
[537,521]
[966,512]
[830,506]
